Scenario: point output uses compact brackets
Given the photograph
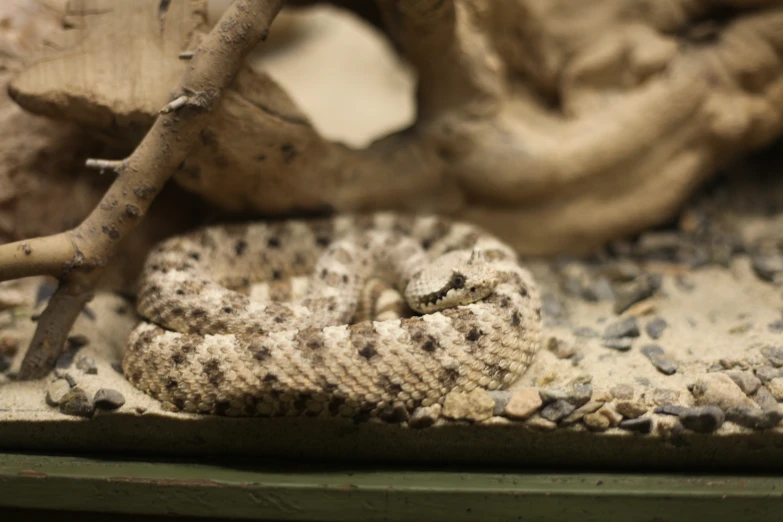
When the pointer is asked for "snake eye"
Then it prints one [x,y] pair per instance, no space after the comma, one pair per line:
[457,281]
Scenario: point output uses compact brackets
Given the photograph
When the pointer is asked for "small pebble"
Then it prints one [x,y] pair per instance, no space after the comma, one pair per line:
[117,367]
[56,391]
[717,389]
[774,355]
[596,422]
[775,326]
[764,399]
[628,327]
[551,308]
[667,427]
[659,359]
[608,411]
[425,416]
[775,387]
[581,411]
[754,418]
[747,382]
[560,347]
[622,344]
[585,332]
[523,403]
[767,373]
[768,267]
[9,345]
[65,360]
[557,410]
[77,341]
[87,365]
[630,409]
[656,327]
[622,391]
[665,396]
[538,423]
[704,419]
[501,398]
[578,393]
[108,399]
[637,425]
[670,409]
[77,402]
[631,293]
[5,363]
[476,405]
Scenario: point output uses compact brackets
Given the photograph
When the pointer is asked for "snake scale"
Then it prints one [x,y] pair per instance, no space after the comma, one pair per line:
[265,318]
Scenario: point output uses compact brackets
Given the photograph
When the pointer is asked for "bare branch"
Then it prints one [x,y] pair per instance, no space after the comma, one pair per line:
[77,256]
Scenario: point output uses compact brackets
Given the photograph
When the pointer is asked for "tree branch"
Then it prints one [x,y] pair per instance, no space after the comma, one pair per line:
[77,257]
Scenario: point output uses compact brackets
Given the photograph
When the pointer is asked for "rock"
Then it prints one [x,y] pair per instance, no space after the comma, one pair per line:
[746,381]
[670,409]
[77,341]
[656,327]
[764,399]
[76,402]
[523,403]
[586,332]
[597,289]
[425,416]
[662,246]
[775,387]
[608,411]
[557,410]
[5,363]
[9,345]
[667,427]
[538,423]
[637,290]
[622,344]
[665,396]
[65,360]
[108,399]
[552,308]
[581,411]
[560,347]
[596,422]
[501,398]
[774,354]
[637,425]
[754,418]
[659,359]
[476,405]
[628,327]
[620,271]
[56,391]
[622,391]
[717,389]
[768,267]
[767,373]
[630,409]
[87,365]
[117,367]
[704,419]
[578,393]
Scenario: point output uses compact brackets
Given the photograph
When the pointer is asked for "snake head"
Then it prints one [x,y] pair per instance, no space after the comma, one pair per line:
[453,279]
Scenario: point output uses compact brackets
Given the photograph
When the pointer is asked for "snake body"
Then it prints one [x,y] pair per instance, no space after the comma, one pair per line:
[214,343]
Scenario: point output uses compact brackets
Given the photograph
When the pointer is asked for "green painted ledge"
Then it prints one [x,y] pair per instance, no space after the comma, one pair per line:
[267,491]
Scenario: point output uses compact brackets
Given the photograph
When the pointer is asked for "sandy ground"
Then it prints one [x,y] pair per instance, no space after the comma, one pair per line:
[718,355]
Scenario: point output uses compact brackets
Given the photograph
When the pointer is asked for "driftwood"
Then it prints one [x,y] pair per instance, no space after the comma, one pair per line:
[557,125]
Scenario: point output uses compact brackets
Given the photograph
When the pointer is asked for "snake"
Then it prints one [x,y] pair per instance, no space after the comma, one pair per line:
[298,317]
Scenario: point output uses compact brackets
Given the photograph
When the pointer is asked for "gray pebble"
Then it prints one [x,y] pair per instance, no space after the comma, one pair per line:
[659,359]
[656,327]
[665,396]
[661,245]
[764,398]
[639,425]
[557,410]
[703,419]
[754,418]
[670,409]
[77,341]
[551,307]
[501,399]
[631,293]
[622,391]
[87,365]
[108,399]
[579,392]
[775,326]
[560,347]
[67,376]
[747,382]
[425,416]
[5,363]
[622,344]
[56,391]
[597,289]
[586,332]
[627,327]
[767,373]
[65,360]
[774,355]
[76,402]
[117,367]
[581,411]
[768,267]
